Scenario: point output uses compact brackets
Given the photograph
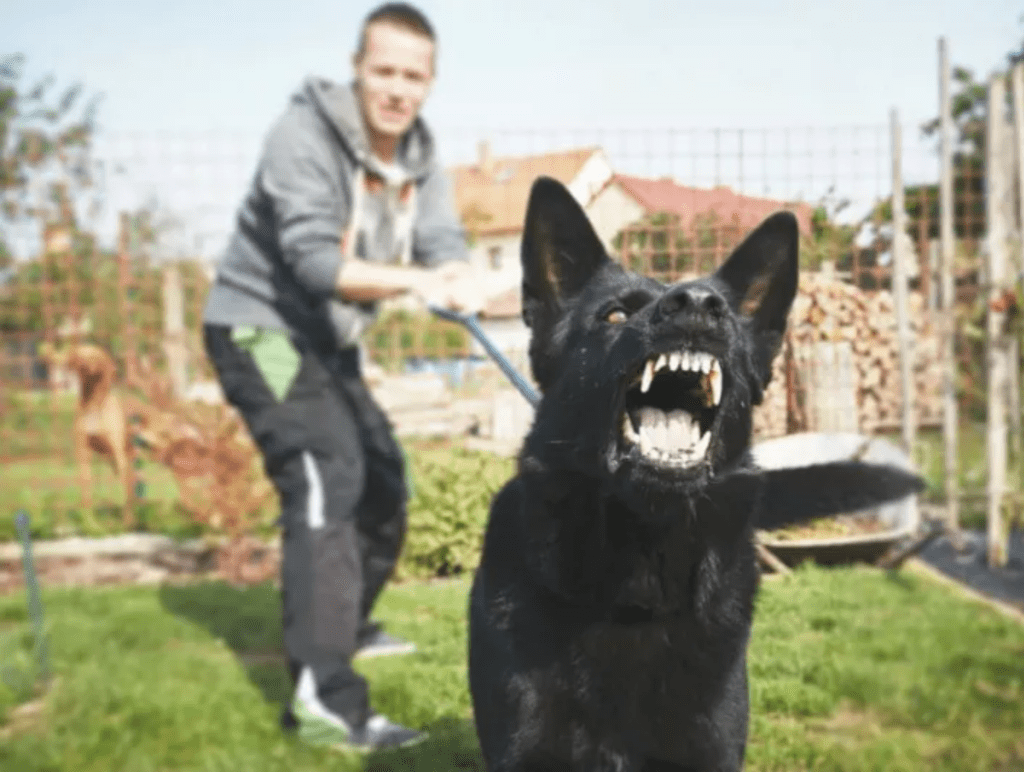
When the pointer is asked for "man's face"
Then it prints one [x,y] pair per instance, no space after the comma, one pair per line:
[394,74]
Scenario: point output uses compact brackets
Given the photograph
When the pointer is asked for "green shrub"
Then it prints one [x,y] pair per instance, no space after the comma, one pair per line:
[452,491]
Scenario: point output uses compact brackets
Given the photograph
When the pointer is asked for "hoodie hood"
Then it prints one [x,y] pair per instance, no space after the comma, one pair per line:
[338,105]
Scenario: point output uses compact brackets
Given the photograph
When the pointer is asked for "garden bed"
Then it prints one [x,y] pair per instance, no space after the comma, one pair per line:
[127,559]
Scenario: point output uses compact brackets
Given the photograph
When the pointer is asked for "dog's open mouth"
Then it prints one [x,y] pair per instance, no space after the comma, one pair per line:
[670,410]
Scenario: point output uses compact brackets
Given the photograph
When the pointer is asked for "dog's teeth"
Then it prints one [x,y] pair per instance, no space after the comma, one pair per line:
[674,361]
[627,429]
[672,432]
[679,422]
[648,376]
[715,379]
[705,363]
[657,433]
[646,440]
[701,447]
[662,361]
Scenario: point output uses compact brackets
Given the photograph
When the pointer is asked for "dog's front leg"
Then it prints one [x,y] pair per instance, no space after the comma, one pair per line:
[82,462]
[123,467]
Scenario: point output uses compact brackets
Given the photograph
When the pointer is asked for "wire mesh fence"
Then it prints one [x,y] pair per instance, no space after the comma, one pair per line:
[129,278]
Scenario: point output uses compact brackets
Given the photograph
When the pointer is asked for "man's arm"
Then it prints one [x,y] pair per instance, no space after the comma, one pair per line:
[442,274]
[311,212]
[362,281]
[309,209]
[450,285]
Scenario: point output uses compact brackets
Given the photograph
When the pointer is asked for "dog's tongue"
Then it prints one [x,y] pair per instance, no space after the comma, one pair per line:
[673,437]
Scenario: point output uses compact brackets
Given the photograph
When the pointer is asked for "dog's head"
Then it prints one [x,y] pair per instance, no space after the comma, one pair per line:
[650,383]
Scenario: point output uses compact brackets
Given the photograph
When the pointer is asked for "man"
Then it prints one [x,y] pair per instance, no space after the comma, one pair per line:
[348,206]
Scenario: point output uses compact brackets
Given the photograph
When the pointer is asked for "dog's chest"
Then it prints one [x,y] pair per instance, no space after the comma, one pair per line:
[653,686]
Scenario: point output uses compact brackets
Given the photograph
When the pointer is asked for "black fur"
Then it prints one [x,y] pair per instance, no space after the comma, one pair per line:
[610,614]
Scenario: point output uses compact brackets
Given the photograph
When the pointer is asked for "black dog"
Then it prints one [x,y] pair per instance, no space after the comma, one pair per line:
[610,614]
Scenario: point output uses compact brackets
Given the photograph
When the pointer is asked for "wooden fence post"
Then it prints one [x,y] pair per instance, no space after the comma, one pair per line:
[997,348]
[126,292]
[1018,150]
[175,348]
[947,303]
[899,287]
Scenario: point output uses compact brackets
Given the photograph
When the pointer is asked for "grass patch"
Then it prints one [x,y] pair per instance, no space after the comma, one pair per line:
[35,423]
[49,491]
[850,670]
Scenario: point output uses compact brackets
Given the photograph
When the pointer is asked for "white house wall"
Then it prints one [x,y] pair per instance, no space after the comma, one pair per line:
[610,211]
[592,176]
[510,272]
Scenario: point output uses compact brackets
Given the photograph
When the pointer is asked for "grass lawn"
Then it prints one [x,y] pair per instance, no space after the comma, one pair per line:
[48,490]
[850,670]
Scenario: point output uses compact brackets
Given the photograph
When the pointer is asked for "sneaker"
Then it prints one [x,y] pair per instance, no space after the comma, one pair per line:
[318,725]
[372,641]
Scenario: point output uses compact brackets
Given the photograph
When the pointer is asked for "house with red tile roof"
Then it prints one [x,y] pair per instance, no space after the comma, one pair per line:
[491,195]
[626,200]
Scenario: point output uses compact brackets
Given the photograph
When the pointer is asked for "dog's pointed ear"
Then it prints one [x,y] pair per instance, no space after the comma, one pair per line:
[761,274]
[760,278]
[560,250]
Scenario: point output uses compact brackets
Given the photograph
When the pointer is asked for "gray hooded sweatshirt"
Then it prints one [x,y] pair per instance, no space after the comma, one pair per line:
[319,196]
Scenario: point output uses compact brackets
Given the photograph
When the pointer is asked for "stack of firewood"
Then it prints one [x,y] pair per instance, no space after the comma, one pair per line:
[827,311]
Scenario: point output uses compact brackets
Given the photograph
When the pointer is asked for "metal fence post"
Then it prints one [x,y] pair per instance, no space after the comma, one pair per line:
[35,603]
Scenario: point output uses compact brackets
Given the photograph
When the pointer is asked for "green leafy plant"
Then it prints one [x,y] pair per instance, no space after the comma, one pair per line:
[447,513]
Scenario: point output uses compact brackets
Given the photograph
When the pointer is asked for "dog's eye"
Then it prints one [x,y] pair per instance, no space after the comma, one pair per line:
[616,316]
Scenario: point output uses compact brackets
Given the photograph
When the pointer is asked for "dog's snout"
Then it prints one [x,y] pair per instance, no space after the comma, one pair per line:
[690,300]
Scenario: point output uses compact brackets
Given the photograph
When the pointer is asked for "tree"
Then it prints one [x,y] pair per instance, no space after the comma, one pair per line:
[969,108]
[45,143]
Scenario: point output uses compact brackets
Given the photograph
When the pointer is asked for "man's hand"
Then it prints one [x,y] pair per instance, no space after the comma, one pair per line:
[453,285]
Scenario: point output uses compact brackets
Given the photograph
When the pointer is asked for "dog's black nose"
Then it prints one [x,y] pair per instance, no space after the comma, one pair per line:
[686,301]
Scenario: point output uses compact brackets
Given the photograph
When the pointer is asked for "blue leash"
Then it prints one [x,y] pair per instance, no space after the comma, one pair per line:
[470,323]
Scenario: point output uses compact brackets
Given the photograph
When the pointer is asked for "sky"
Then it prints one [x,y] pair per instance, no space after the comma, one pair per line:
[189,87]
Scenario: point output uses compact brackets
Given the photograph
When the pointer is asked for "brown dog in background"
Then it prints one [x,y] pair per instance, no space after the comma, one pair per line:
[101,423]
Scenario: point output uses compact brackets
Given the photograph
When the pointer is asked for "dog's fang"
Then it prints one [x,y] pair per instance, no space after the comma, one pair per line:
[648,376]
[715,379]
